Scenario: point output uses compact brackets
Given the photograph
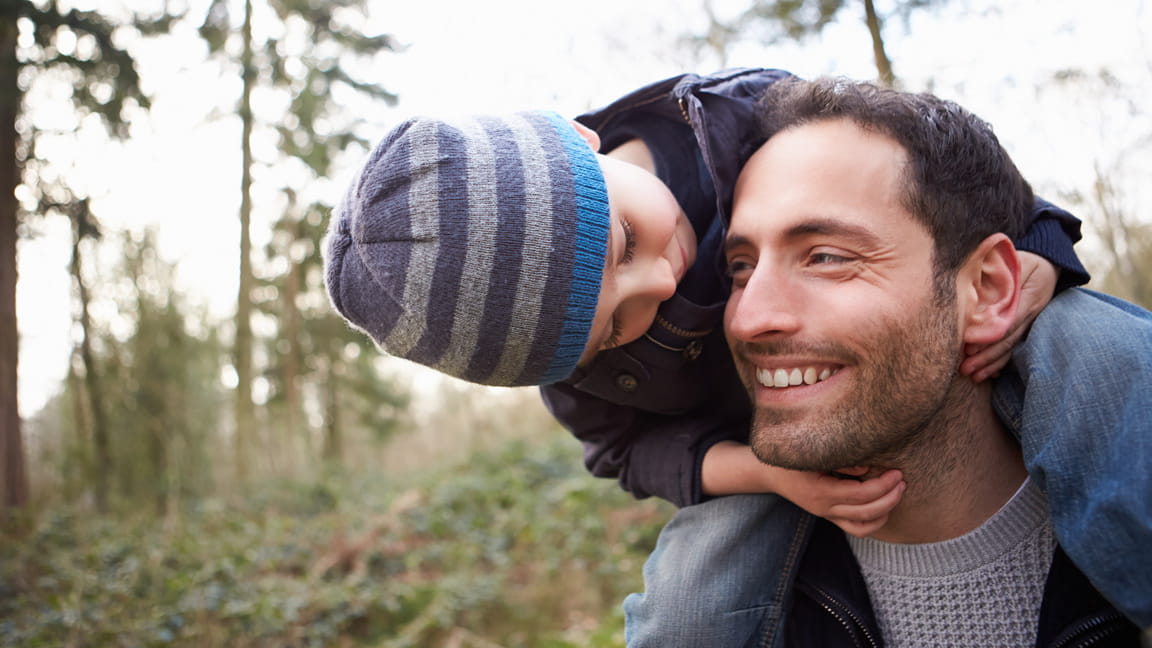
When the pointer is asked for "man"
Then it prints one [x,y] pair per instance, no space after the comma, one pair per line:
[869,243]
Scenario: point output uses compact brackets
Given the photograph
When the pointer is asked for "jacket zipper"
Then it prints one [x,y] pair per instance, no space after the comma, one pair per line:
[1089,631]
[684,110]
[839,611]
[682,332]
[708,82]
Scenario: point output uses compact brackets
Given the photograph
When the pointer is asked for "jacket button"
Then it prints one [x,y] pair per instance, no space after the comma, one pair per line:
[627,382]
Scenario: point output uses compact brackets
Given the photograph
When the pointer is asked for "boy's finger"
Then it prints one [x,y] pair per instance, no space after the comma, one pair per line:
[870,489]
[864,528]
[871,509]
[987,360]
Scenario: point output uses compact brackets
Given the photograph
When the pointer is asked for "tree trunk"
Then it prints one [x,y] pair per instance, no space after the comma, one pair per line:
[13,476]
[333,451]
[875,28]
[76,482]
[158,457]
[245,432]
[1123,240]
[291,334]
[102,464]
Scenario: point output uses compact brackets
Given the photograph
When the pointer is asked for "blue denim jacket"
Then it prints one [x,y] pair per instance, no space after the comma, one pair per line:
[1078,399]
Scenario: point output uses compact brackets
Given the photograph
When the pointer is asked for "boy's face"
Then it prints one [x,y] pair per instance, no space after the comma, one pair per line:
[651,245]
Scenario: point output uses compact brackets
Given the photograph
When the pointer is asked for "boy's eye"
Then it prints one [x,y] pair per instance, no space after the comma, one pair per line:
[629,241]
[613,339]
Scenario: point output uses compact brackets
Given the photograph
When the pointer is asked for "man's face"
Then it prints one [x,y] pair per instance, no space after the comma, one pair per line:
[832,320]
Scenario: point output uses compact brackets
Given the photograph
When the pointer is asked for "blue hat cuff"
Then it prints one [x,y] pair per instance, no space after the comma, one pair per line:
[591,231]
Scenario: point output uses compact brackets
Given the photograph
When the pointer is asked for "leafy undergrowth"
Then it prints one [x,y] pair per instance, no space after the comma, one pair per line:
[518,548]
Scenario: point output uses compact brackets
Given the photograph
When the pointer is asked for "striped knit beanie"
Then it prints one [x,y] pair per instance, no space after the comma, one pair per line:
[475,246]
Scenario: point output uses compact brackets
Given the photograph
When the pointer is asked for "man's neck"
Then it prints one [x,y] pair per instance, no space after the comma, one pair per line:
[963,470]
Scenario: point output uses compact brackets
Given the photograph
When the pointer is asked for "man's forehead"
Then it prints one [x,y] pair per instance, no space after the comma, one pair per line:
[822,171]
[825,140]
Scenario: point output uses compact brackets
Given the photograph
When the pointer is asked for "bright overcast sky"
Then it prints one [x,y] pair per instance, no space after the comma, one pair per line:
[181,173]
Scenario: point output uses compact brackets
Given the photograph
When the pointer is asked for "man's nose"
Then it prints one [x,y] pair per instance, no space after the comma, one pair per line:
[765,306]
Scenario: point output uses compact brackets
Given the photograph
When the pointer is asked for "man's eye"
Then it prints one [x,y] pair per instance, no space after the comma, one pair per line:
[737,266]
[740,269]
[820,258]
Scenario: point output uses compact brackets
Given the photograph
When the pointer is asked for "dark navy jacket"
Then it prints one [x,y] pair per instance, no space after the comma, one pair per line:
[830,606]
[648,411]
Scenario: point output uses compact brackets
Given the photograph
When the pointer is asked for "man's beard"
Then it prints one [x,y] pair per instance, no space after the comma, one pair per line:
[902,393]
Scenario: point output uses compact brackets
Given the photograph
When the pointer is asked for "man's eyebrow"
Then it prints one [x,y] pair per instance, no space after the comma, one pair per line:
[816,226]
[832,227]
[734,240]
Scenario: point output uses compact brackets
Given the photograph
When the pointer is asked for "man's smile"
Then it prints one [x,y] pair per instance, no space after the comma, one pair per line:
[792,377]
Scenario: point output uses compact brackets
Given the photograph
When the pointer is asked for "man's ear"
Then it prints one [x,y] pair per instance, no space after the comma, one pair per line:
[989,287]
[589,135]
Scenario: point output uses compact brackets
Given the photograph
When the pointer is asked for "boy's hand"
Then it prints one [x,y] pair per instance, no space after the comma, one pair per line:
[1038,282]
[859,508]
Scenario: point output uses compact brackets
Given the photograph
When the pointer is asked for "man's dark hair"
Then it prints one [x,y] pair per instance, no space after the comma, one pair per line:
[959,182]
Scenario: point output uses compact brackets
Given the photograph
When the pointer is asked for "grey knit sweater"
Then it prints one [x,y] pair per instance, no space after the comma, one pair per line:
[981,589]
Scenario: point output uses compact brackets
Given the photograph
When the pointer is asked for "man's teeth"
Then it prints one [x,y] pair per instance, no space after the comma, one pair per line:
[791,377]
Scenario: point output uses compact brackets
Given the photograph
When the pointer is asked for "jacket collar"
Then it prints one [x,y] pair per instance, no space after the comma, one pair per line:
[1073,612]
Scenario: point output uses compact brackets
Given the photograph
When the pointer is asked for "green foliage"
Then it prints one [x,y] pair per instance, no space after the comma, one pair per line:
[77,51]
[316,358]
[160,392]
[103,75]
[795,19]
[517,548]
[1110,201]
[301,53]
[777,20]
[318,42]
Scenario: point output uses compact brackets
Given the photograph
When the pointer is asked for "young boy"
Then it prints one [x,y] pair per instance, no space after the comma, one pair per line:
[502,251]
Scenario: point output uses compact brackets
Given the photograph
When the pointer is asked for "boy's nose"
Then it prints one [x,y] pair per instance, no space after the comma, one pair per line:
[651,281]
[661,282]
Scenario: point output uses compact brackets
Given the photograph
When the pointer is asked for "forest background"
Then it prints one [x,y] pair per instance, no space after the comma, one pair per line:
[196,451]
